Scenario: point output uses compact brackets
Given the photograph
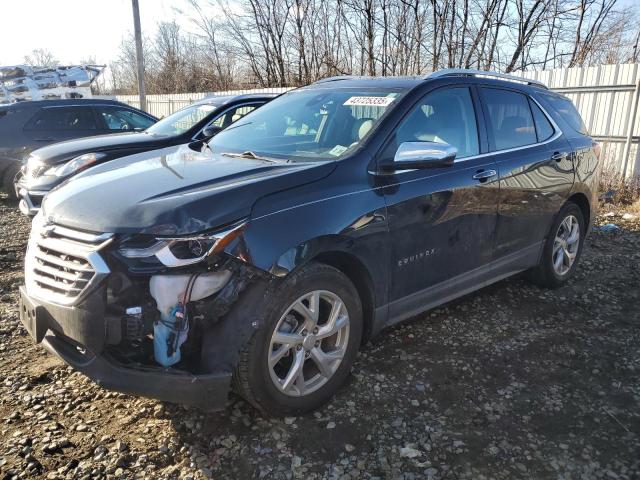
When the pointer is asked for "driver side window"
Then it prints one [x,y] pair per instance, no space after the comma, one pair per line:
[123,119]
[443,116]
[233,115]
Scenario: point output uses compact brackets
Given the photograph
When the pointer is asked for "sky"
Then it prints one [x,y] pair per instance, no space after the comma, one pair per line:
[77,29]
[73,30]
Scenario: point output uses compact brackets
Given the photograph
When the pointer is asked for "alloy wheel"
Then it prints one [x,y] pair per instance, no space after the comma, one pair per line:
[308,343]
[566,245]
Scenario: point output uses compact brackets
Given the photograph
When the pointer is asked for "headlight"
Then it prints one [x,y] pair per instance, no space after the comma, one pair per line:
[34,167]
[74,165]
[181,251]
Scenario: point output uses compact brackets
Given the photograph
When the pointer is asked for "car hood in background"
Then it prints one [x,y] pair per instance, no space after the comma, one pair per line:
[63,151]
[173,191]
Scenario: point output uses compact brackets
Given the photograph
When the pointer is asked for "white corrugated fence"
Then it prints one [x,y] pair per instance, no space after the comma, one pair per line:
[163,105]
[606,96]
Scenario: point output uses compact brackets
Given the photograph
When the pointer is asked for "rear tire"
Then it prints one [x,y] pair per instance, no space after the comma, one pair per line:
[303,352]
[562,249]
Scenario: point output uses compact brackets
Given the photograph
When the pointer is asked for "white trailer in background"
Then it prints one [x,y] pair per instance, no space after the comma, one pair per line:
[22,82]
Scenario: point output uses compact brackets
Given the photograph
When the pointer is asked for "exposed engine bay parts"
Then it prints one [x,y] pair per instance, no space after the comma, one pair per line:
[172,294]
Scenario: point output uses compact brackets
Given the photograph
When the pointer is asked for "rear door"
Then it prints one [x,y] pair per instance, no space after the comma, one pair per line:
[58,123]
[536,171]
[441,220]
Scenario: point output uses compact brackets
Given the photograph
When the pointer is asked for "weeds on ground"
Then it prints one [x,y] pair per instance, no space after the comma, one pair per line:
[620,192]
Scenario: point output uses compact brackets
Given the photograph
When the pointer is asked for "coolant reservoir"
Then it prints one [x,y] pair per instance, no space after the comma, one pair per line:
[168,290]
[172,330]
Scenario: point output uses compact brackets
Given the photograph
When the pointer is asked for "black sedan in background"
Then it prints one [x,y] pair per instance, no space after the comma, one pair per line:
[27,126]
[48,167]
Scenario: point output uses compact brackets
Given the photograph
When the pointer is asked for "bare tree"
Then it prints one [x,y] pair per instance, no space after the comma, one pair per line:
[41,57]
[592,21]
[532,15]
[247,43]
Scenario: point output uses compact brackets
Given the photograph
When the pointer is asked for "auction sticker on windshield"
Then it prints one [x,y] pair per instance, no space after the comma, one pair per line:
[370,101]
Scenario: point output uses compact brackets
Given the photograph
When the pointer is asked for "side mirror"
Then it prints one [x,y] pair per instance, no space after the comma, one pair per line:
[210,131]
[413,155]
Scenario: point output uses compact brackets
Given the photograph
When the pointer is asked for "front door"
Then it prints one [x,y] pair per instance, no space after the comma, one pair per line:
[441,220]
[115,119]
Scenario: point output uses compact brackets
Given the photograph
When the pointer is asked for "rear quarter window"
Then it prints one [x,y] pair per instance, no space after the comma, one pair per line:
[544,129]
[565,108]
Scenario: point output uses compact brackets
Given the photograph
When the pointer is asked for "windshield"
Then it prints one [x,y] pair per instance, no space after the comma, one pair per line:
[181,121]
[308,124]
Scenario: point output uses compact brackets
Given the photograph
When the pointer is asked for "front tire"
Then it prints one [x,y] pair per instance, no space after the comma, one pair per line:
[304,350]
[7,182]
[562,248]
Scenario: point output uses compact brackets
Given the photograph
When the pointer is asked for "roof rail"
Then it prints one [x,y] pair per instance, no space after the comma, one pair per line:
[450,72]
[336,78]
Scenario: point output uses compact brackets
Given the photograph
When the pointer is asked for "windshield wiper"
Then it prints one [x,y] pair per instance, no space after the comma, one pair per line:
[247,154]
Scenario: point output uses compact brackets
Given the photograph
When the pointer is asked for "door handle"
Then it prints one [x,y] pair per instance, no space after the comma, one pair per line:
[483,175]
[559,156]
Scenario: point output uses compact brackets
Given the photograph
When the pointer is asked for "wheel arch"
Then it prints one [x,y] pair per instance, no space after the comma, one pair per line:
[358,274]
[582,201]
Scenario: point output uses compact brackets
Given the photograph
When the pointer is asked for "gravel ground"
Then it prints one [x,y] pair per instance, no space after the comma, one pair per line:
[509,382]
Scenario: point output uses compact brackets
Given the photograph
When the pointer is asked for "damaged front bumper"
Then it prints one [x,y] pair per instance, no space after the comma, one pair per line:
[111,322]
[68,332]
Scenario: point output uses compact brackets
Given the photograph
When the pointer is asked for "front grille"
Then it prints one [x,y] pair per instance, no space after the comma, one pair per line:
[61,264]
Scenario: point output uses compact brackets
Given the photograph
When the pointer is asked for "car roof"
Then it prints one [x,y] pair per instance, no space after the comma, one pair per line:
[220,100]
[66,102]
[367,82]
[409,82]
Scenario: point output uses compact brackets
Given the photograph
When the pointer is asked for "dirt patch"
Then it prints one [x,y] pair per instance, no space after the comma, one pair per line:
[509,382]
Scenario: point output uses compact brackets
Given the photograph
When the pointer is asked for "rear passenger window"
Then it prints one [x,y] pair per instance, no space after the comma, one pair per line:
[63,118]
[445,116]
[510,118]
[567,111]
[544,129]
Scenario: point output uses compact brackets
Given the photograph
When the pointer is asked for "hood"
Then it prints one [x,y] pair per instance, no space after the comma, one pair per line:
[173,191]
[63,151]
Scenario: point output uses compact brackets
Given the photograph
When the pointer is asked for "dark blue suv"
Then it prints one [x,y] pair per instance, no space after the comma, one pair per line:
[264,261]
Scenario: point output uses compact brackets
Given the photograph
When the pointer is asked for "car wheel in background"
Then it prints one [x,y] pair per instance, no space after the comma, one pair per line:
[562,248]
[7,181]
